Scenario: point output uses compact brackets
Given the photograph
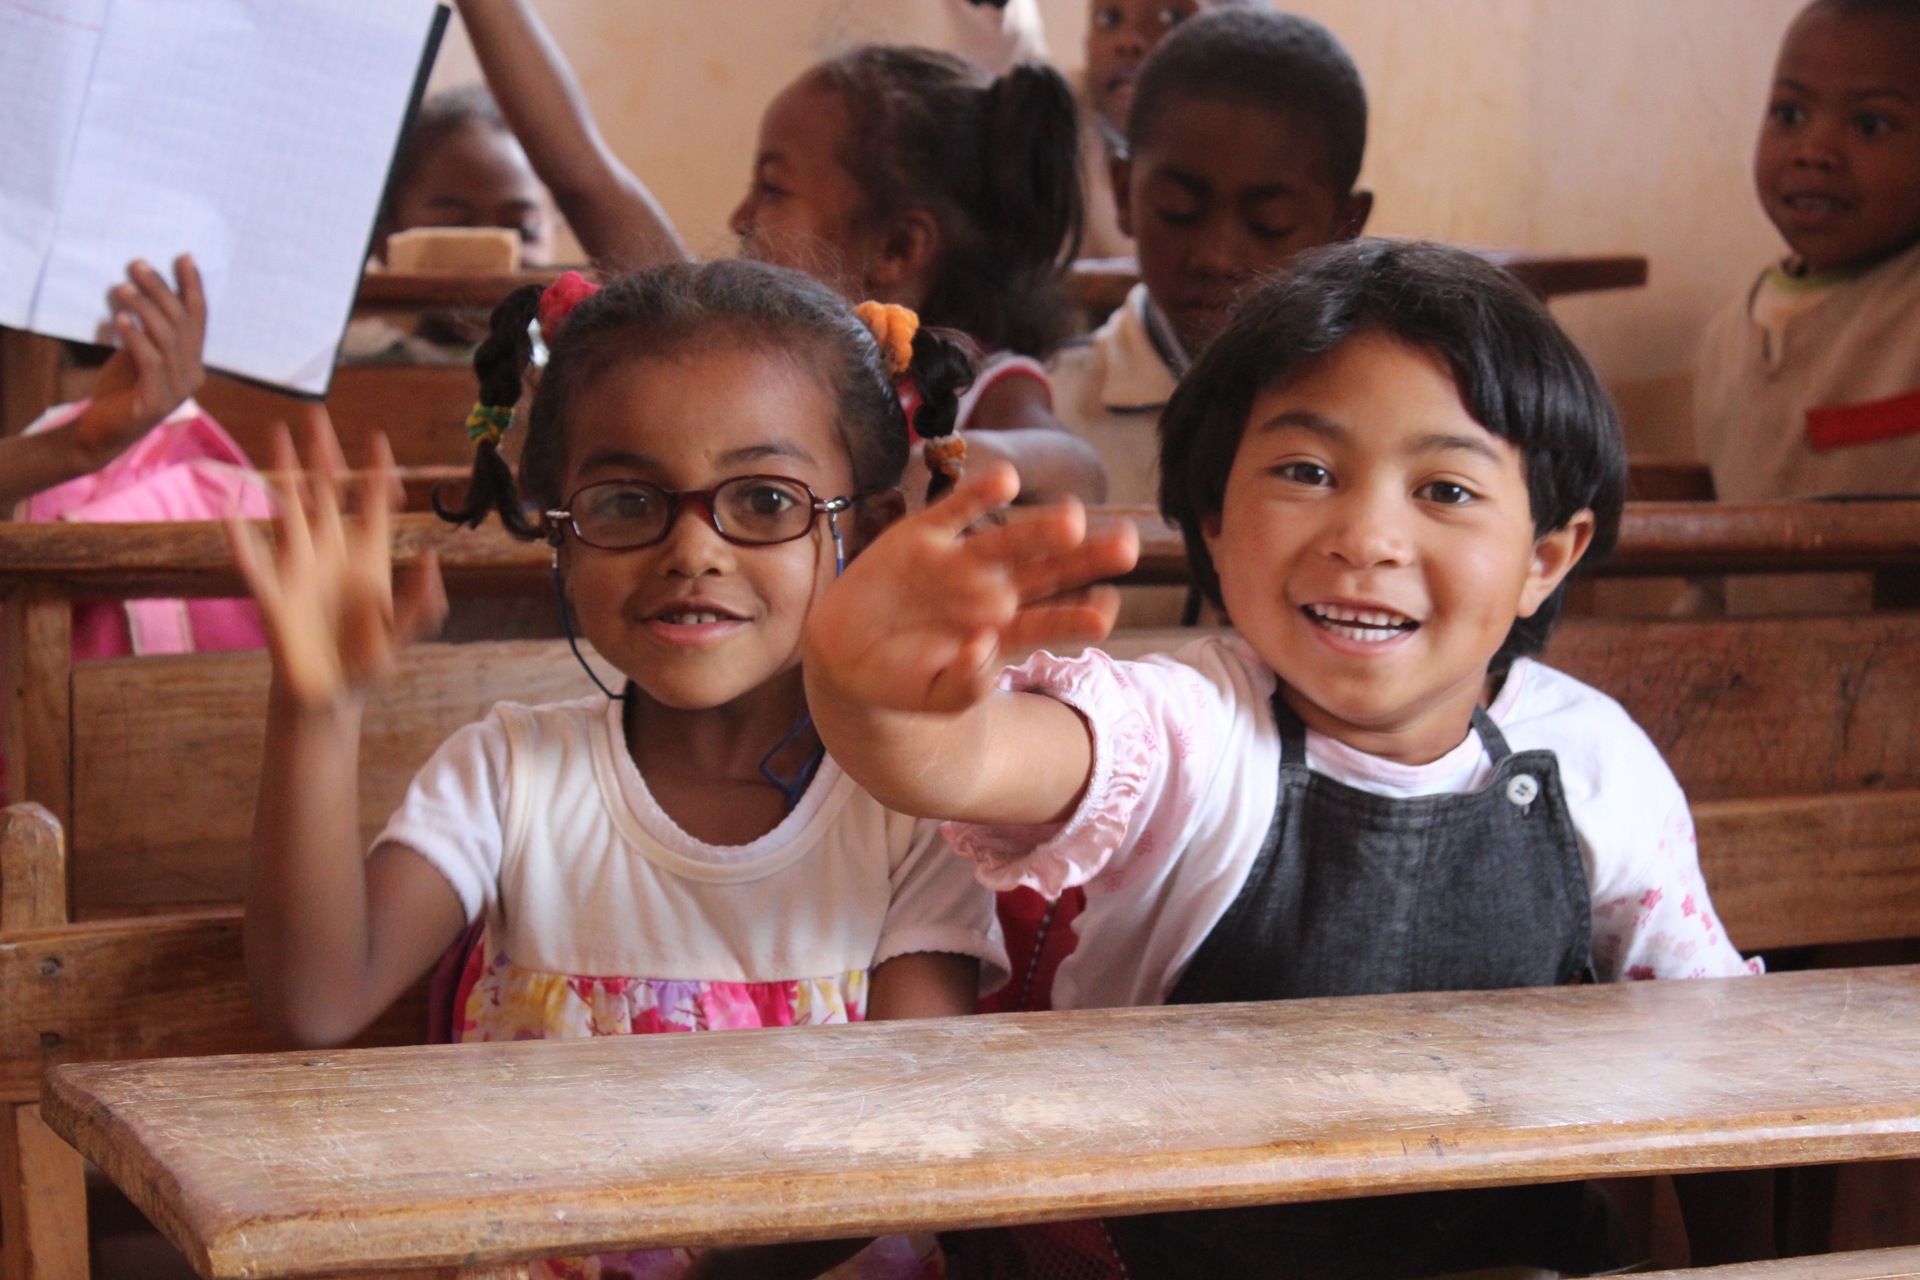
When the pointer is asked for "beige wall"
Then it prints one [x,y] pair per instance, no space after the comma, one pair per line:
[1576,125]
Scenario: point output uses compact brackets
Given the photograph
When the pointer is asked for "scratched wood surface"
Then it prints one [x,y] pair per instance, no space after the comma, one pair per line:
[296,1164]
[1865,1264]
[167,757]
[1763,707]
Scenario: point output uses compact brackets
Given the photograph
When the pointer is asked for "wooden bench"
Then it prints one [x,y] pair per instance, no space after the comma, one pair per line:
[296,1164]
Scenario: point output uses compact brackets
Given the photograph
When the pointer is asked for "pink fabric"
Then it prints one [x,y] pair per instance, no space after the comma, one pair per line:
[1051,859]
[187,468]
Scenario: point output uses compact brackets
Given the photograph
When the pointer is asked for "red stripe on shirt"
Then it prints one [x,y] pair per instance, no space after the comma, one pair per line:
[1835,426]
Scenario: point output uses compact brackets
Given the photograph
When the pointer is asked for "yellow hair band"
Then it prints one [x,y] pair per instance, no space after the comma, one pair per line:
[488,422]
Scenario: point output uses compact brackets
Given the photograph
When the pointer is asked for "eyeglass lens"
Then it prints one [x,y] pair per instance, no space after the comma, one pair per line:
[753,509]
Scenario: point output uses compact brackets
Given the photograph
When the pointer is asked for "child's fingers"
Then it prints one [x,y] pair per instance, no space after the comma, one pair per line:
[150,365]
[372,537]
[1030,534]
[254,560]
[193,297]
[420,598]
[291,532]
[977,493]
[1082,617]
[324,465]
[153,286]
[964,680]
[384,483]
[1107,555]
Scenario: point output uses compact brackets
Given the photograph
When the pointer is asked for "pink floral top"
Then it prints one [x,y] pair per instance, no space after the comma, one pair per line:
[1186,776]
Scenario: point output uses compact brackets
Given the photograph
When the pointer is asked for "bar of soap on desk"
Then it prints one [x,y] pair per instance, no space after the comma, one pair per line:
[487,250]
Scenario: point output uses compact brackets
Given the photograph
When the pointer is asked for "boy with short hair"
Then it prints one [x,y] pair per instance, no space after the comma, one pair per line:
[1245,136]
[1810,385]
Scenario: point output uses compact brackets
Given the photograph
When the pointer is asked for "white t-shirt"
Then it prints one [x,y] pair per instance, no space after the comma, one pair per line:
[539,817]
[1186,775]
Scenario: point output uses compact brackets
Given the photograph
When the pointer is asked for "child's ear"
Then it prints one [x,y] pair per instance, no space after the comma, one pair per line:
[1554,556]
[1354,212]
[1120,176]
[907,257]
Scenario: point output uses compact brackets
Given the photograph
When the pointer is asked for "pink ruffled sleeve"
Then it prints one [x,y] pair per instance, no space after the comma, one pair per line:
[1141,716]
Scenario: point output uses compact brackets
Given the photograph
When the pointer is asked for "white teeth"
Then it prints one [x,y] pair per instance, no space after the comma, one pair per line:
[1370,626]
[689,619]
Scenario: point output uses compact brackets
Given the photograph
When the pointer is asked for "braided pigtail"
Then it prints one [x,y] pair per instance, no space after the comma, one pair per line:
[499,362]
[942,370]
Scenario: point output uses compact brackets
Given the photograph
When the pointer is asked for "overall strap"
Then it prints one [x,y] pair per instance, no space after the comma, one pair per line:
[1293,732]
[1490,736]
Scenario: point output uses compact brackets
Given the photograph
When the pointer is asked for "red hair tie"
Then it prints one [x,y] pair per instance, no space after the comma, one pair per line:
[561,297]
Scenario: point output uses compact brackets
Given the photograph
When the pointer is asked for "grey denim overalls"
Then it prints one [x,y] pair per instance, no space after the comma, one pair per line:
[1357,894]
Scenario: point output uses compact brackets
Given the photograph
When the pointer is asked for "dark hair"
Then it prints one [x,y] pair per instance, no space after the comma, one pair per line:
[1276,61]
[1519,375]
[1904,10]
[440,116]
[997,165]
[665,309]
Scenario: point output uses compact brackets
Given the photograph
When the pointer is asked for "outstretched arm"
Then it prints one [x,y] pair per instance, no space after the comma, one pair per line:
[332,937]
[156,367]
[620,224]
[903,656]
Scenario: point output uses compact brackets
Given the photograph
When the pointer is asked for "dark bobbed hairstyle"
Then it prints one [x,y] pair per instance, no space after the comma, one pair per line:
[997,165]
[667,309]
[1519,375]
[440,116]
[1277,61]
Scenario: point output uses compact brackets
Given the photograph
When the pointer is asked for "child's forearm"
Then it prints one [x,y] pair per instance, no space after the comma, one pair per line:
[31,464]
[619,223]
[1011,758]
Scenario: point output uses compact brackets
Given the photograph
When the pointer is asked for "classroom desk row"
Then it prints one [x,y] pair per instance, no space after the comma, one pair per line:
[298,1164]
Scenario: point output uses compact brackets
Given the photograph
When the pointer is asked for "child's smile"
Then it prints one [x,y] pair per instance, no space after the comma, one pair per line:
[1376,544]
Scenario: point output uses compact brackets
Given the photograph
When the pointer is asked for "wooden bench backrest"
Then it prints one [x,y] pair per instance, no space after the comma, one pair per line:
[167,758]
[421,408]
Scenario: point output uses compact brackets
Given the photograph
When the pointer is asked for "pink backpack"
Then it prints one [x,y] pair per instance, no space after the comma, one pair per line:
[187,468]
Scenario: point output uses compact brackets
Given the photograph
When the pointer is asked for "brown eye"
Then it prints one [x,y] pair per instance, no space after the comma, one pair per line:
[1107,19]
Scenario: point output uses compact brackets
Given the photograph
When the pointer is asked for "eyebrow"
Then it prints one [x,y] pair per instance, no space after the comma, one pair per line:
[1798,86]
[1327,428]
[644,462]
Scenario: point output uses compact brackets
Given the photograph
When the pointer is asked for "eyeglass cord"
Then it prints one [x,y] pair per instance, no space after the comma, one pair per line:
[792,788]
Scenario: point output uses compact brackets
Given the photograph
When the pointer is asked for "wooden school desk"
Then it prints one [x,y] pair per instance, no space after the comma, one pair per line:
[481,1157]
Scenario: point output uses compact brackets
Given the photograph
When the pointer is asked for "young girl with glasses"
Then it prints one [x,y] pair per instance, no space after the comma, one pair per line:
[707,445]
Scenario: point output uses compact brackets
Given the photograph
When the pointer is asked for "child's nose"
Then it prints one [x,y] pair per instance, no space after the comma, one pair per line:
[693,547]
[740,221]
[1368,531]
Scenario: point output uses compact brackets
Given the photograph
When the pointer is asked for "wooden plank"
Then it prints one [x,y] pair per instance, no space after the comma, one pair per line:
[1657,539]
[1807,870]
[33,869]
[45,1229]
[29,378]
[1867,1264]
[421,408]
[296,1164]
[39,661]
[389,292]
[167,757]
[1669,482]
[152,987]
[1763,707]
[1551,275]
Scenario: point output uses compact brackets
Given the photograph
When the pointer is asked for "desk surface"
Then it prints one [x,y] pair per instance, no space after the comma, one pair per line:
[306,1163]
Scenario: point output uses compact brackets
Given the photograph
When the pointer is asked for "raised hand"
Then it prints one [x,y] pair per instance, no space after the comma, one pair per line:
[922,618]
[157,366]
[334,622]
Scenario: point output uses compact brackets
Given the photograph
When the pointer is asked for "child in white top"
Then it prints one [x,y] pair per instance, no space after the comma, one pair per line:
[1809,383]
[708,445]
[1386,466]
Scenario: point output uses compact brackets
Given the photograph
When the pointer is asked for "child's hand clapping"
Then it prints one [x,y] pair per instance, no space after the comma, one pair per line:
[921,619]
[157,364]
[334,622]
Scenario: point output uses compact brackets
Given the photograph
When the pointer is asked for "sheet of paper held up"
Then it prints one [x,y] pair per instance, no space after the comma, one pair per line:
[254,134]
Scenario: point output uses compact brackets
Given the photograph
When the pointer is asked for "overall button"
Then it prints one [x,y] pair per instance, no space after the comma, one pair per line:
[1523,790]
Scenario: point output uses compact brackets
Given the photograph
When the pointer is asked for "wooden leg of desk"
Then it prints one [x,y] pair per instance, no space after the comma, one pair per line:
[43,1195]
